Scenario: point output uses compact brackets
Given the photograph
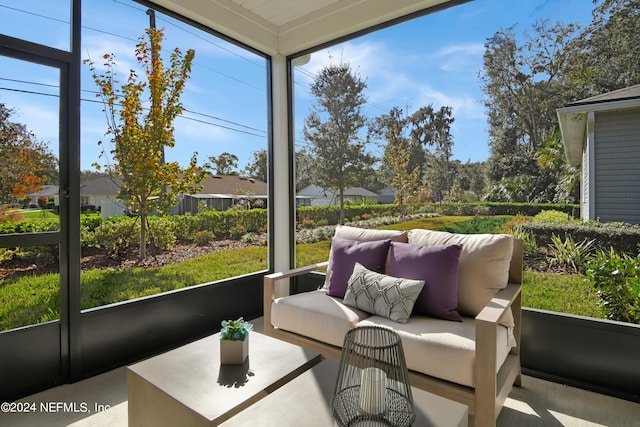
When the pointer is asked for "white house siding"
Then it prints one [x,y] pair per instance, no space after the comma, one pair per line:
[617,171]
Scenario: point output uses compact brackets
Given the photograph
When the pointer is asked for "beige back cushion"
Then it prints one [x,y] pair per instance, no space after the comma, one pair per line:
[365,235]
[483,268]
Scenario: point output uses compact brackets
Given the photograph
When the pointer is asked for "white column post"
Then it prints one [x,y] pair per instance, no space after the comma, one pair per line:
[281,171]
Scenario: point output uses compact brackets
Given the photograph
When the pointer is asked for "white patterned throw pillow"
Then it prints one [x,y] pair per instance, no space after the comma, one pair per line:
[387,296]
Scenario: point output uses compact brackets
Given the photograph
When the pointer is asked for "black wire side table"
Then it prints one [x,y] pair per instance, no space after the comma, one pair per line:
[372,388]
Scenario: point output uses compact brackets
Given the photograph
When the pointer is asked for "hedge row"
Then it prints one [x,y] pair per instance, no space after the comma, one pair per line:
[621,237]
[232,222]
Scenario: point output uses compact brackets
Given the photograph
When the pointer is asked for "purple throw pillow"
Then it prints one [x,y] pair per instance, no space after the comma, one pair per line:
[438,267]
[345,254]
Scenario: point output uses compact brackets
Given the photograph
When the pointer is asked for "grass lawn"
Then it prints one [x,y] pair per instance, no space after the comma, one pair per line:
[38,214]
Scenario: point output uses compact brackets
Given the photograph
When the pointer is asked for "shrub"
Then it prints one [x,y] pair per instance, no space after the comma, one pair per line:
[556,217]
[617,278]
[202,238]
[568,253]
[258,239]
[622,239]
[480,225]
[160,233]
[514,227]
[115,236]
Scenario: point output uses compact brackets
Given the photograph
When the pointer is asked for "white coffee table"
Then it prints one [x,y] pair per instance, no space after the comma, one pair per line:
[188,386]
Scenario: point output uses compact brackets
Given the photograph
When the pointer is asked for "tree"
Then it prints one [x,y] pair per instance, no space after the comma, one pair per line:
[25,162]
[397,169]
[139,136]
[224,164]
[605,54]
[304,166]
[332,131]
[432,128]
[257,166]
[524,83]
[551,157]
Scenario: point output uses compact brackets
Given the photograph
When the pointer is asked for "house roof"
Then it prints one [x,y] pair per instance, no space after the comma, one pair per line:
[232,185]
[100,185]
[314,191]
[288,27]
[573,117]
[627,93]
[46,191]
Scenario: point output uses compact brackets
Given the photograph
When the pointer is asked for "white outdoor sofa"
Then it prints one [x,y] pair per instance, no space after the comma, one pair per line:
[475,362]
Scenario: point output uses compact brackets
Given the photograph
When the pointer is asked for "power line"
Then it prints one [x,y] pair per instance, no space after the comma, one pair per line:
[261,133]
[15,9]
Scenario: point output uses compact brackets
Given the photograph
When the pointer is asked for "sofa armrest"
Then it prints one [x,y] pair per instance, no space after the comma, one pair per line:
[497,307]
[270,281]
[489,392]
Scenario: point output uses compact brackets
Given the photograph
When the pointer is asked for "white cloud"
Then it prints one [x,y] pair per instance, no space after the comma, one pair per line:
[460,58]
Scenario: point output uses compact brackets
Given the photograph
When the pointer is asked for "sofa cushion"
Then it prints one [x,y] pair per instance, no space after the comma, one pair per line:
[441,348]
[387,296]
[437,266]
[316,315]
[483,268]
[368,235]
[345,254]
[364,235]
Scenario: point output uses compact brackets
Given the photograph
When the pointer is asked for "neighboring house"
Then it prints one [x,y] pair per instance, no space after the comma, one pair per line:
[100,193]
[323,197]
[602,133]
[48,191]
[220,192]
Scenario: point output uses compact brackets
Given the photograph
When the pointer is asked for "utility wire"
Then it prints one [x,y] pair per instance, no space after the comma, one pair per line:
[256,132]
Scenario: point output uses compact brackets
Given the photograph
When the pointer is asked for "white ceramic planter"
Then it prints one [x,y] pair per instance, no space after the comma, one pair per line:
[234,352]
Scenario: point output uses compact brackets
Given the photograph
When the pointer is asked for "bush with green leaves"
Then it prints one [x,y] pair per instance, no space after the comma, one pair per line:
[480,225]
[568,253]
[118,235]
[115,236]
[623,239]
[617,278]
[160,233]
[202,238]
[555,217]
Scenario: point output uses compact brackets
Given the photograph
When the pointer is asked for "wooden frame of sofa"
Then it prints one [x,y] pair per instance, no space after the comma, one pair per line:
[486,399]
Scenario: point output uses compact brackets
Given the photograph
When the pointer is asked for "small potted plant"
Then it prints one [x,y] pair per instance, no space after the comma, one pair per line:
[234,341]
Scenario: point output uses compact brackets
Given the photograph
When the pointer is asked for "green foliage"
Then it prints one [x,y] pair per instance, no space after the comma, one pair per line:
[569,253]
[480,225]
[140,135]
[118,235]
[623,238]
[235,330]
[202,238]
[562,293]
[23,159]
[114,236]
[617,278]
[556,217]
[161,234]
[514,227]
[332,131]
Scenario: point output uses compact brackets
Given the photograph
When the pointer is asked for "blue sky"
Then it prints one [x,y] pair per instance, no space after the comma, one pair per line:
[431,60]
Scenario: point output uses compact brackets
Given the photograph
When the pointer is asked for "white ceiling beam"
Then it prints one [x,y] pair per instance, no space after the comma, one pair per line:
[318,26]
[342,19]
[229,19]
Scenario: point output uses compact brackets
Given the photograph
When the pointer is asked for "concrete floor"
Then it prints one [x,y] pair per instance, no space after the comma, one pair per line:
[102,401]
